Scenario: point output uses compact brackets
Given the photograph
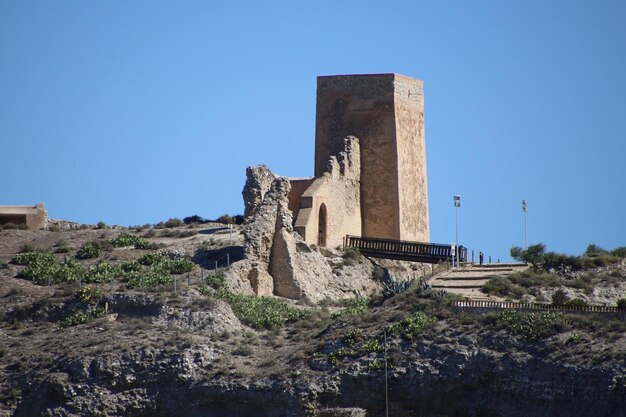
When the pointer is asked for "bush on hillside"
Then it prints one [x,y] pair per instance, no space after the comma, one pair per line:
[412,326]
[89,250]
[261,312]
[195,219]
[577,302]
[531,325]
[619,252]
[533,255]
[174,222]
[228,219]
[125,239]
[559,298]
[157,274]
[102,272]
[31,258]
[594,249]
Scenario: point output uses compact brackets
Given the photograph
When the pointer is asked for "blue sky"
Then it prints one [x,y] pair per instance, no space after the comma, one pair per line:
[135,112]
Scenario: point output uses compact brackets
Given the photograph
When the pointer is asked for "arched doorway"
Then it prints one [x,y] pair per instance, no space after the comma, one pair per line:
[321,226]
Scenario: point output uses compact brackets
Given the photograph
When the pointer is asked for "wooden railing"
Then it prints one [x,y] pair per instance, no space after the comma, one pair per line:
[535,306]
[404,250]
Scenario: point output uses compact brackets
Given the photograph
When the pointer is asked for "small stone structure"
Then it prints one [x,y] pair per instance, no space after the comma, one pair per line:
[373,186]
[34,217]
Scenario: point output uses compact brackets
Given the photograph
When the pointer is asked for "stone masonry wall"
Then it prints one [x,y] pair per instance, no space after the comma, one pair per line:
[339,191]
[388,121]
[412,179]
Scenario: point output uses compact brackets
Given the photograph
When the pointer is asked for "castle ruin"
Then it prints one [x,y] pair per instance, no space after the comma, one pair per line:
[370,181]
[370,162]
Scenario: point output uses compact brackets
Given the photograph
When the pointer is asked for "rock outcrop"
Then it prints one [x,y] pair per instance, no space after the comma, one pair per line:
[258,182]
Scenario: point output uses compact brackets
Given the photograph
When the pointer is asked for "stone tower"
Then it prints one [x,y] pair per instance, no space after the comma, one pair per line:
[386,113]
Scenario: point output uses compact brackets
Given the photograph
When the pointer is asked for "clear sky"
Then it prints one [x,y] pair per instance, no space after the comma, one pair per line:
[132,112]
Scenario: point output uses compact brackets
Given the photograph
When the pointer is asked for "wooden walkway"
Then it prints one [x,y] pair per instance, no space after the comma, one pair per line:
[404,250]
[504,305]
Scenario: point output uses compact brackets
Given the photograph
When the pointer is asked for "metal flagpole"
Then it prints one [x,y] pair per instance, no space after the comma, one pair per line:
[525,209]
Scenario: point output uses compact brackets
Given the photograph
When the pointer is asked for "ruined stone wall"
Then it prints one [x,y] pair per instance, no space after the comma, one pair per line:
[385,111]
[338,190]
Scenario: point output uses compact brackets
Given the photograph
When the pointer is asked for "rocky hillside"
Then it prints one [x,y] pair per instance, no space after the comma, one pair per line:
[136,322]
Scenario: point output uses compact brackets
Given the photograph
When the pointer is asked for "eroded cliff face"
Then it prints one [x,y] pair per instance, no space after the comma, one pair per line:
[488,374]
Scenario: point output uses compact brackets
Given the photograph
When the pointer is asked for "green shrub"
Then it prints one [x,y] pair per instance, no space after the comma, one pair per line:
[559,298]
[412,326]
[146,245]
[498,286]
[195,219]
[39,266]
[371,345]
[32,258]
[70,270]
[533,255]
[261,312]
[619,252]
[63,247]
[174,222]
[531,325]
[225,219]
[151,258]
[577,302]
[354,307]
[102,225]
[351,253]
[89,250]
[81,318]
[529,279]
[594,249]
[87,294]
[621,303]
[39,274]
[28,247]
[353,336]
[603,259]
[180,266]
[157,274]
[215,280]
[102,272]
[132,278]
[130,266]
[341,353]
[126,239]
